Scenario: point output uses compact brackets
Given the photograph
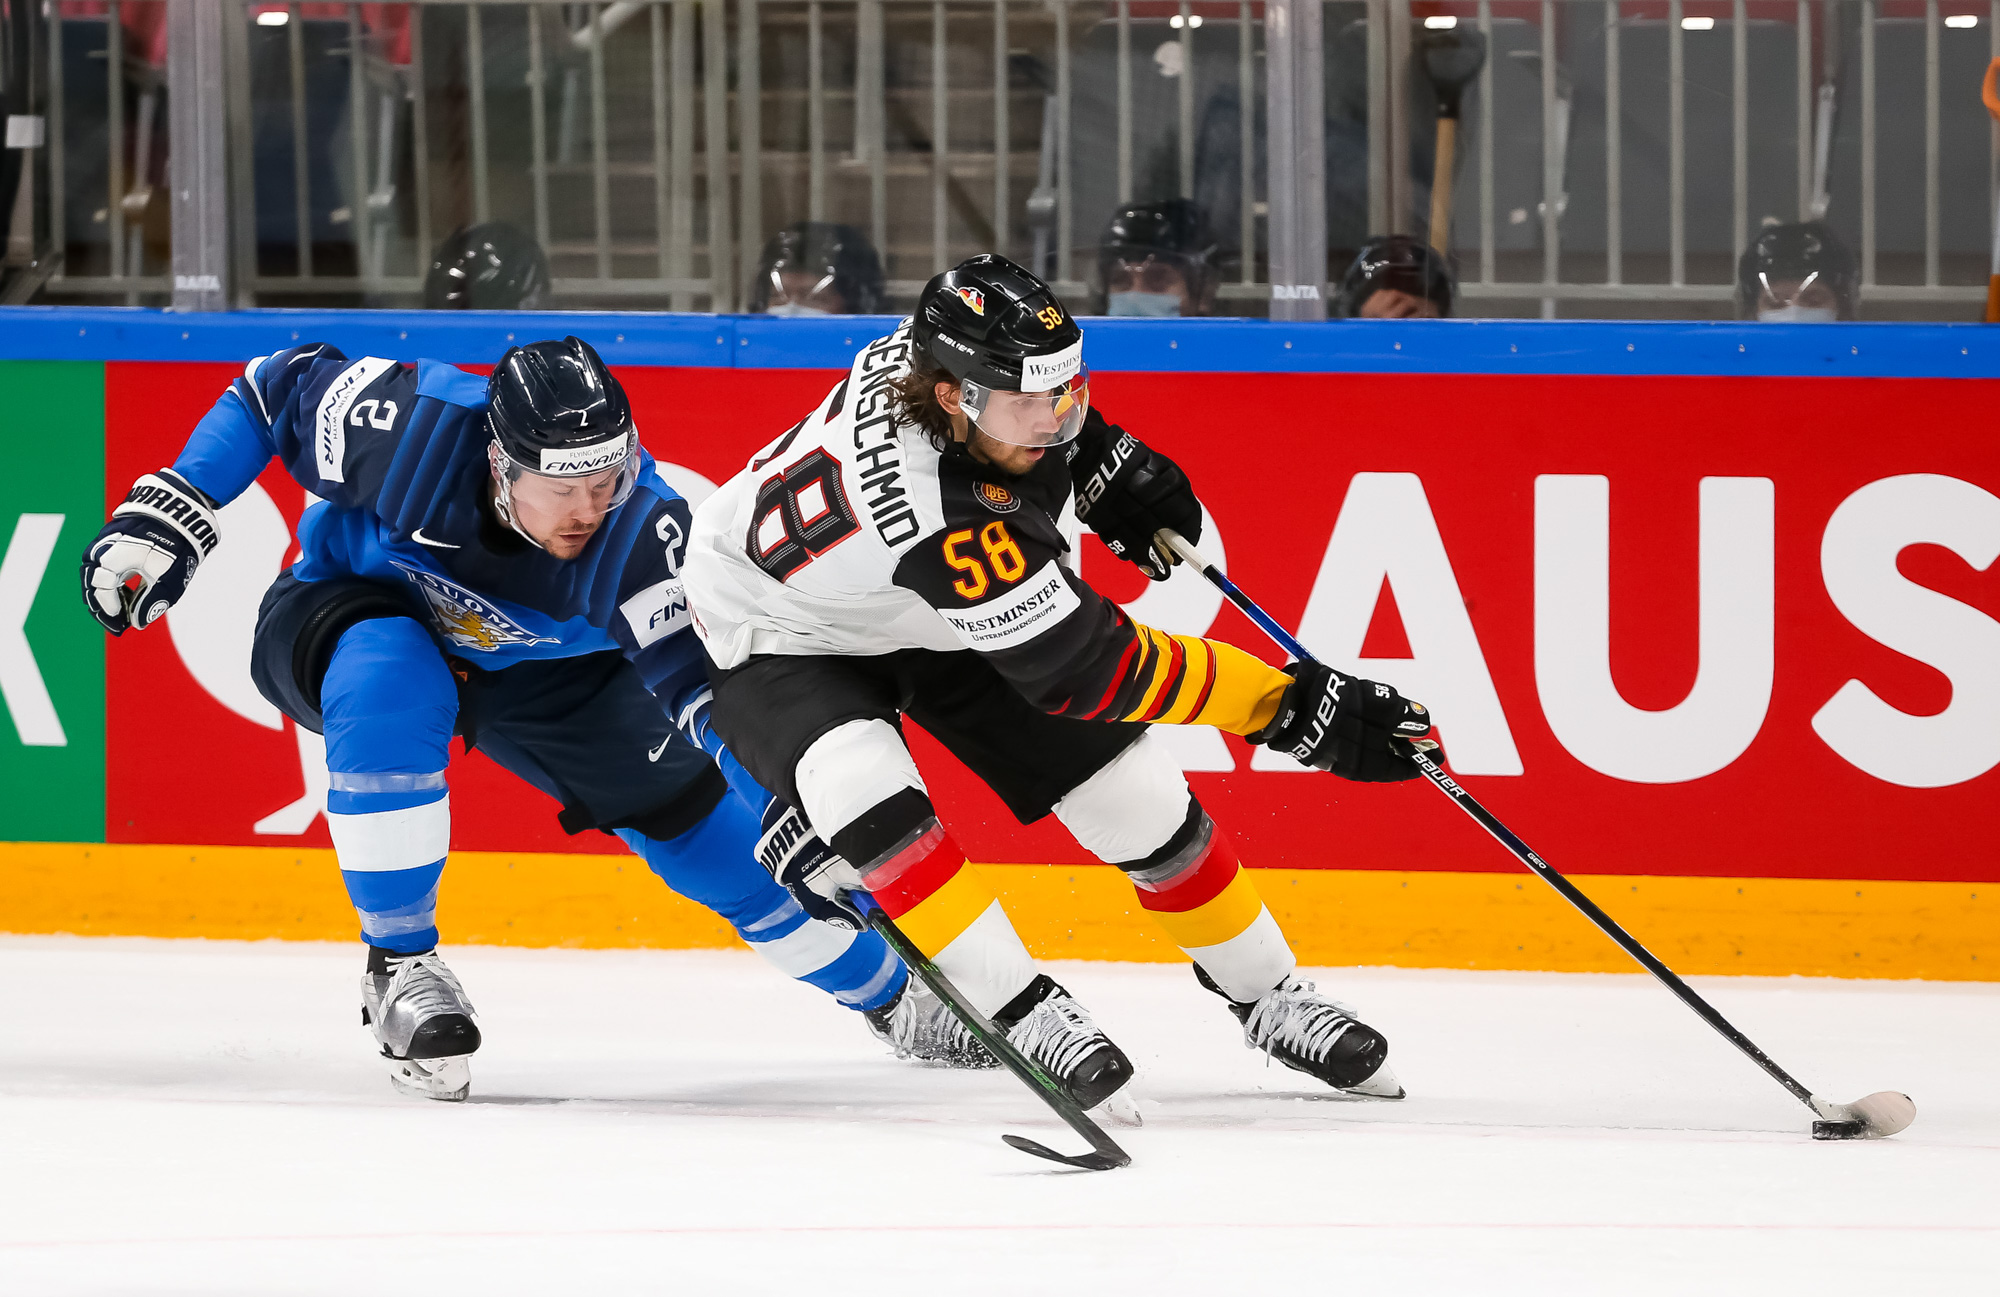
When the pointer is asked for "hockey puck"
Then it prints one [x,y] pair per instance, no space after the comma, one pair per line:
[1839,1129]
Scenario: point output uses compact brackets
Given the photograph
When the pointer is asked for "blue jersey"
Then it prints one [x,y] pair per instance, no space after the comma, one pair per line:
[397,455]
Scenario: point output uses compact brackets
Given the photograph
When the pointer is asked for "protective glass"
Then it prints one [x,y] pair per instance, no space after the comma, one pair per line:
[1051,418]
[590,493]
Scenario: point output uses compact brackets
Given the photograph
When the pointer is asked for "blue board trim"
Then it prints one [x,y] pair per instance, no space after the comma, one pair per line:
[1186,346]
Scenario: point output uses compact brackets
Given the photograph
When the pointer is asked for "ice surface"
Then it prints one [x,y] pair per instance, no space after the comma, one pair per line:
[206,1117]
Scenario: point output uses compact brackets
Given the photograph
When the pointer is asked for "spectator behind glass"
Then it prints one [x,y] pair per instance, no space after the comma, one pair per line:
[1397,277]
[1158,259]
[818,268]
[1800,273]
[489,267]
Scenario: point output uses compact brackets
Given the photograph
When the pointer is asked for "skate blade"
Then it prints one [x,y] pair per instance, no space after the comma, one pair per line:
[448,1080]
[1382,1085]
[1120,1108]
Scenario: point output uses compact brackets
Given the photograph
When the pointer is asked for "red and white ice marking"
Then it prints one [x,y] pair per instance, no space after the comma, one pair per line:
[205,1117]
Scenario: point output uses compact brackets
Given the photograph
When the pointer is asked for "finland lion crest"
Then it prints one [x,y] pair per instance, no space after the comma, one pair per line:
[465,619]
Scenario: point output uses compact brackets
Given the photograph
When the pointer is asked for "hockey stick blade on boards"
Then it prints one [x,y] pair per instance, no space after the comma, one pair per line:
[1874,1117]
[1105,1155]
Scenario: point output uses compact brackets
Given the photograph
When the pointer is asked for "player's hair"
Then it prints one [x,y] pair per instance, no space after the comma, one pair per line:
[916,397]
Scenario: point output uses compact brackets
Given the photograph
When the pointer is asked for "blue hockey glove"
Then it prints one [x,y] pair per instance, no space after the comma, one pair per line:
[804,865]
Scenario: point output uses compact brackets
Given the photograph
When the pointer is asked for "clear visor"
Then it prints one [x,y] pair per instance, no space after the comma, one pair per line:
[571,495]
[1034,419]
[1812,294]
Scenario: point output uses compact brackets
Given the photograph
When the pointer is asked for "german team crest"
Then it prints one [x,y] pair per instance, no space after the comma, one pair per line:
[996,497]
[467,620]
[973,298]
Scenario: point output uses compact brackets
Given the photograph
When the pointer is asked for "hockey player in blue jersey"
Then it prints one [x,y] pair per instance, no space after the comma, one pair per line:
[495,559]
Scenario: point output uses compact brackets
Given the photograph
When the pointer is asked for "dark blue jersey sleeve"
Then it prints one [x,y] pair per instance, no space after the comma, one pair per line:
[652,623]
[657,633]
[334,423]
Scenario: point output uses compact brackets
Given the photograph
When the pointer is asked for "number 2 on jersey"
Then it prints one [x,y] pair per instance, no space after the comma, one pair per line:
[1003,554]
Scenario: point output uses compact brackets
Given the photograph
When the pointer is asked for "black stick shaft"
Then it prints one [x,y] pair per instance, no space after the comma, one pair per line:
[1609,926]
[1521,851]
[1109,1155]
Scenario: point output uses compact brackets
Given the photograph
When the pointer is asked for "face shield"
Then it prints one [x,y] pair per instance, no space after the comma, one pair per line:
[1806,301]
[570,484]
[796,291]
[1047,411]
[1032,419]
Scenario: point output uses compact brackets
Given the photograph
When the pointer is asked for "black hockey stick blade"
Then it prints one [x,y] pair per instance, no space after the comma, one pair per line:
[1105,1155]
[1111,1161]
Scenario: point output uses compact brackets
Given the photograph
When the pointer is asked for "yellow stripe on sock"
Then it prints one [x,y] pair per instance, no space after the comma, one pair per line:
[1234,908]
[937,920]
[1246,694]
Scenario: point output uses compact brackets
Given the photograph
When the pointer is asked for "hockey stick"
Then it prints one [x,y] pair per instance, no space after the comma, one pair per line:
[1882,1113]
[1107,1156]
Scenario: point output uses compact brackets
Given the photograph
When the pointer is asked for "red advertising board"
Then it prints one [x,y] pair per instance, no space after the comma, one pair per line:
[1669,624]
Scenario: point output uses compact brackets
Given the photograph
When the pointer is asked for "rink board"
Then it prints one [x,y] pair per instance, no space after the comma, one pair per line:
[1429,919]
[1403,495]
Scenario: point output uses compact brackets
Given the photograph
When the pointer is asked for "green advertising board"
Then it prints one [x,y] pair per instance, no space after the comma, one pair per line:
[51,652]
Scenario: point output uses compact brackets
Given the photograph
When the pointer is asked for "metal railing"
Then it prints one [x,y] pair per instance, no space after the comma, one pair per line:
[102,195]
[1834,120]
[653,178]
[1615,153]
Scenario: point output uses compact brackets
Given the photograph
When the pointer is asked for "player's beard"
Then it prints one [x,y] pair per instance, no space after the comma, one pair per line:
[1014,461]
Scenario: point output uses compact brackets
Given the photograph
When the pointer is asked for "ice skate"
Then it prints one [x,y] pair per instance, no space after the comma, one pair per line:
[1047,1024]
[1315,1034]
[423,1021]
[916,1024]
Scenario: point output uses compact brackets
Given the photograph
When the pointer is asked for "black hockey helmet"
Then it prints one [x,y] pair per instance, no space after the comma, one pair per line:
[1782,266]
[836,257]
[1401,262]
[489,267]
[1172,234]
[998,328]
[557,414]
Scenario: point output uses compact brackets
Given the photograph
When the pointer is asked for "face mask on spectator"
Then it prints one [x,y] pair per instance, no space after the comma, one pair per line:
[1796,314]
[1151,305]
[794,309]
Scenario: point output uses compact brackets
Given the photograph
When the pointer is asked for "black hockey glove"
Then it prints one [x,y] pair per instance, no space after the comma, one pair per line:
[160,535]
[804,865]
[1125,492]
[1333,721]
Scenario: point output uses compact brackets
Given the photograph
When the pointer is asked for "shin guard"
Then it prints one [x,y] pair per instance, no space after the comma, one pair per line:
[920,877]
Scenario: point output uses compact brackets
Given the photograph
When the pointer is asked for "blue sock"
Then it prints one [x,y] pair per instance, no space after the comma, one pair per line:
[389,706]
[714,864]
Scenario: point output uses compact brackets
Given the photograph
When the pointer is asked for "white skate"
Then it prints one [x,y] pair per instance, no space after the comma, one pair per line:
[423,1022]
[916,1024]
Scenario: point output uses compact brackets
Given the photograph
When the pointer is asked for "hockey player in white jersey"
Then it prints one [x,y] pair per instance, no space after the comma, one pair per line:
[903,551]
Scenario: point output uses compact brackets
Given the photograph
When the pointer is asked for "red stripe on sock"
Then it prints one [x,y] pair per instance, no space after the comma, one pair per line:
[1175,669]
[1117,677]
[916,873]
[1207,685]
[1197,886]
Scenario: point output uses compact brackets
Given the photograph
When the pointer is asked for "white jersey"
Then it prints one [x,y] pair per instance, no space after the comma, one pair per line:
[854,535]
[803,552]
